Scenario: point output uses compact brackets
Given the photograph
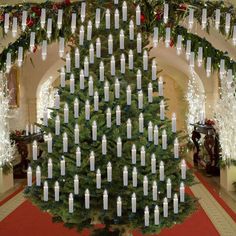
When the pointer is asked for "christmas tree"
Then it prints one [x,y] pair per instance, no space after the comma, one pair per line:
[111,155]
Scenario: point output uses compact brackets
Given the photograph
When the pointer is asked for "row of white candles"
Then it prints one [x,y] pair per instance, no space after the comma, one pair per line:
[31,129]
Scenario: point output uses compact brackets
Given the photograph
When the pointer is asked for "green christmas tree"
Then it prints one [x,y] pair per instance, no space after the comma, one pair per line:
[109,154]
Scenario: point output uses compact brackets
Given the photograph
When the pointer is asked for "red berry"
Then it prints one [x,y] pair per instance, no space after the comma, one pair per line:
[142,18]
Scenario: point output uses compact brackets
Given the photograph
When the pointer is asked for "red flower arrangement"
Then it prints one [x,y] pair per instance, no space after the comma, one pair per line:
[29,22]
[142,18]
[209,122]
[36,10]
[183,6]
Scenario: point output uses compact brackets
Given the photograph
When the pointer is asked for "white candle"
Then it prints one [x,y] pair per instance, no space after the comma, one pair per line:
[49,28]
[90,86]
[108,19]
[104,145]
[182,192]
[188,49]
[167,37]
[217,18]
[145,186]
[165,207]
[45,191]
[131,30]
[96,101]
[98,179]
[27,130]
[208,67]
[150,93]
[138,15]
[72,83]
[76,108]
[31,129]
[227,22]
[110,44]
[168,188]
[234,35]
[190,18]
[200,56]
[92,161]
[128,95]
[68,63]
[124,11]
[191,62]
[176,204]
[66,114]
[94,131]
[131,60]
[162,110]
[78,157]
[141,123]
[133,154]
[29,176]
[6,23]
[89,30]
[166,13]
[101,71]
[63,166]
[91,54]
[222,67]
[155,37]
[8,62]
[117,19]
[59,18]
[160,86]
[176,148]
[204,18]
[108,118]
[63,77]
[76,134]
[56,191]
[86,67]
[83,11]
[109,172]
[50,165]
[129,129]
[35,150]
[117,89]
[105,200]
[173,123]
[38,176]
[57,101]
[153,164]
[87,199]
[49,143]
[44,50]
[183,169]
[145,60]
[135,177]
[71,203]
[43,17]
[150,132]
[119,206]
[20,56]
[133,203]
[146,217]
[32,41]
[45,117]
[118,115]
[81,80]
[139,80]
[97,18]
[122,39]
[106,92]
[77,58]
[57,125]
[87,110]
[113,66]
[161,171]
[125,176]
[140,100]
[98,48]
[143,156]
[164,140]
[73,23]
[119,147]
[156,135]
[154,191]
[76,185]
[154,70]
[156,215]
[179,44]
[122,63]
[139,43]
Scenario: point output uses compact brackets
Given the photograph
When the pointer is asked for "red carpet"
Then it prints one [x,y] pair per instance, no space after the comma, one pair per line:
[28,220]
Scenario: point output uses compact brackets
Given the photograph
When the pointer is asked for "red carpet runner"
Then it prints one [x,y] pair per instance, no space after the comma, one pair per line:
[28,220]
